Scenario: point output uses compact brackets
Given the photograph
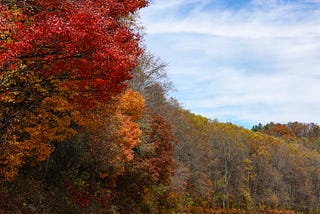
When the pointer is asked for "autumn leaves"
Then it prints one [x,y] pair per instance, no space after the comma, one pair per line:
[69,121]
[64,67]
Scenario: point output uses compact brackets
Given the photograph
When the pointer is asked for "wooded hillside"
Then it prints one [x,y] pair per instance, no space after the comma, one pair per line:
[86,126]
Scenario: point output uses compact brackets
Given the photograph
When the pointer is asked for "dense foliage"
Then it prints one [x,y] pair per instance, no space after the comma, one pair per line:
[86,127]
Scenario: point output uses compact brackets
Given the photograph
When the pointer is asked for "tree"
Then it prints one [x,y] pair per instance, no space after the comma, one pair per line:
[88,43]
[278,130]
[57,57]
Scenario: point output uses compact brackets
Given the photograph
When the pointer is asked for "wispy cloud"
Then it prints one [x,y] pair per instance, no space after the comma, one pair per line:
[253,62]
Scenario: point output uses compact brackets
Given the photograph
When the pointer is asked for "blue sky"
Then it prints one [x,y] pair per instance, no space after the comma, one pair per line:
[240,61]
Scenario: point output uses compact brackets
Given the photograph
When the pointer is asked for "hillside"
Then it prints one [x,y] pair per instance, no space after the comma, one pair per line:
[86,126]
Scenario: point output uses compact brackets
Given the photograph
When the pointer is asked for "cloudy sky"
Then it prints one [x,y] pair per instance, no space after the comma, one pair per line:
[240,61]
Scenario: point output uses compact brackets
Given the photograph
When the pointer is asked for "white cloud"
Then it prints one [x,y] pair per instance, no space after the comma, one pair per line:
[257,63]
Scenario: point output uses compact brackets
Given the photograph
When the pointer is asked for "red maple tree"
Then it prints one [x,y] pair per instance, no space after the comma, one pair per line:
[88,43]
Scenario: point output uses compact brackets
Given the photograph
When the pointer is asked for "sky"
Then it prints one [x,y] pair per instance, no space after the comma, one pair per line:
[240,61]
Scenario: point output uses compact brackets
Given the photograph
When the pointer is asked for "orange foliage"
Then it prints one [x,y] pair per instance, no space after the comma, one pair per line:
[28,139]
[112,130]
[131,104]
[130,134]
[130,108]
[275,211]
[279,130]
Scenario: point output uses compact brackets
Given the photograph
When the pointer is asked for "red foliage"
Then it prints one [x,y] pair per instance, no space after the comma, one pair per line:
[160,163]
[80,195]
[86,42]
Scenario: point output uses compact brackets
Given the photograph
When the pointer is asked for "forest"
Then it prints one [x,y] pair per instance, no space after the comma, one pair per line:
[87,126]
